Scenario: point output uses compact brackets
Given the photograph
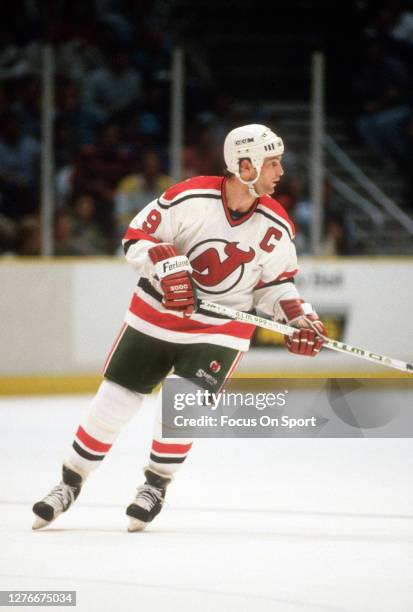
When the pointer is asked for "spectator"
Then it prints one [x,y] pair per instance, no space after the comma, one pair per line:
[70,110]
[88,236]
[202,156]
[63,235]
[136,190]
[335,240]
[385,86]
[115,26]
[4,99]
[112,89]
[28,106]
[29,240]
[290,193]
[149,136]
[98,170]
[77,232]
[64,143]
[75,127]
[18,160]
[302,212]
[8,231]
[76,57]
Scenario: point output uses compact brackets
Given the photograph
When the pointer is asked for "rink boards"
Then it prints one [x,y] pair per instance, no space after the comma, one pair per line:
[62,316]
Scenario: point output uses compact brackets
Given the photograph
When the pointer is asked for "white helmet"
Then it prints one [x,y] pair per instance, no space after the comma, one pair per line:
[255,142]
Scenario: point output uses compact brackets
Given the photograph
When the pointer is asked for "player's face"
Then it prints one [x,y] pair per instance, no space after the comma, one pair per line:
[271,173]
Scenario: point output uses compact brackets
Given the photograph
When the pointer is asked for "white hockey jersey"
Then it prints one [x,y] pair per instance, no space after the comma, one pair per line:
[245,263]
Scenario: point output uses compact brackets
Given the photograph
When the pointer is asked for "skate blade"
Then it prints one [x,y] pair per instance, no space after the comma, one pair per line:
[39,523]
[136,525]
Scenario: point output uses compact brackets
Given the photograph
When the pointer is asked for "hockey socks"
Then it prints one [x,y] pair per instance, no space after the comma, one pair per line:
[167,454]
[112,407]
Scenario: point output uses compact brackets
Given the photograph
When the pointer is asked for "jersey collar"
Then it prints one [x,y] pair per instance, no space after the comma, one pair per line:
[245,217]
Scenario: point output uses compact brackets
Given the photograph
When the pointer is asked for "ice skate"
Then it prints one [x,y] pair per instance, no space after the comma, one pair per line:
[60,498]
[148,501]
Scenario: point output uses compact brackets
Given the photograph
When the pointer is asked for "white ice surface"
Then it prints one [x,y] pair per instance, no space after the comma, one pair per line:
[299,525]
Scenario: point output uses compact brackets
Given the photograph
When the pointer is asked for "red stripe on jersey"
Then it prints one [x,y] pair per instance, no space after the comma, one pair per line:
[282,276]
[285,275]
[92,443]
[276,207]
[138,234]
[169,321]
[173,449]
[196,182]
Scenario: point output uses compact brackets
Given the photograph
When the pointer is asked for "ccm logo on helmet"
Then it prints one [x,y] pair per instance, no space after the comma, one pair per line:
[244,141]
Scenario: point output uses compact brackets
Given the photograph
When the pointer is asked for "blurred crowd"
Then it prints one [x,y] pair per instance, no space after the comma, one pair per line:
[384,87]
[111,126]
[111,135]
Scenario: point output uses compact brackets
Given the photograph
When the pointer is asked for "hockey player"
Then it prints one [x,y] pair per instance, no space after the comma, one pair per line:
[216,236]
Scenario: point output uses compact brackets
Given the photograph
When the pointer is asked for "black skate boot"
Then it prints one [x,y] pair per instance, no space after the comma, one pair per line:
[60,498]
[148,501]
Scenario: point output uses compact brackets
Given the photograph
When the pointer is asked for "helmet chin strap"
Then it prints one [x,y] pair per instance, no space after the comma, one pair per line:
[252,191]
[250,184]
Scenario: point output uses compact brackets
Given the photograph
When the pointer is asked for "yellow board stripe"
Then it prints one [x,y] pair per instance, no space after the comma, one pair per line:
[81,383]
[49,385]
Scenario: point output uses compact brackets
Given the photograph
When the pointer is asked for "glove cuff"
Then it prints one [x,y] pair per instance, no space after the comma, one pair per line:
[291,310]
[172,265]
[161,252]
[167,261]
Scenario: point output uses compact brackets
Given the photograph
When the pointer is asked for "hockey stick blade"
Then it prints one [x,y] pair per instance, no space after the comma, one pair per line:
[287,330]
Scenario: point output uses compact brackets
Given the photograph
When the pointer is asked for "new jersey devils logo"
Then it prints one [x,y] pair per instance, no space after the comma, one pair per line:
[215,366]
[219,264]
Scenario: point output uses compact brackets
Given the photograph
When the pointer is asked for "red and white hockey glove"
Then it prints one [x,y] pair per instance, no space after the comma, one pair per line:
[307,340]
[173,271]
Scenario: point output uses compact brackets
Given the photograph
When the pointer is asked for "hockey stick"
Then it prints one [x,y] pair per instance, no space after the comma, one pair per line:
[287,330]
